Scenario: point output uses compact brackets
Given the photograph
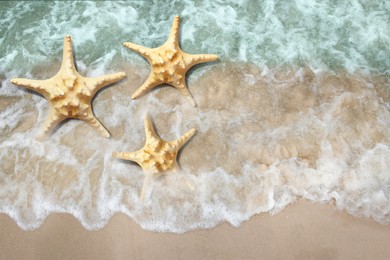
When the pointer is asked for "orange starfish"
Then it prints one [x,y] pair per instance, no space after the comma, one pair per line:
[169,63]
[70,94]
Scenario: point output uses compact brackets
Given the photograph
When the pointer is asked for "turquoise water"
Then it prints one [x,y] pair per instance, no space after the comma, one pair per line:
[298,106]
[352,35]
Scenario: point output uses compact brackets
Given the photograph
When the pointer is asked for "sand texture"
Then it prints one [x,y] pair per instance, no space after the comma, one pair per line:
[264,138]
[303,231]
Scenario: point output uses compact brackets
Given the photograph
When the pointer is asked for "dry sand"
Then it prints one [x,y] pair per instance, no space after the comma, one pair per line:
[302,231]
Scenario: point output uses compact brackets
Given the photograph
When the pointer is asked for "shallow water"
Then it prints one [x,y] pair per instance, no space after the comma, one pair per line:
[351,35]
[278,118]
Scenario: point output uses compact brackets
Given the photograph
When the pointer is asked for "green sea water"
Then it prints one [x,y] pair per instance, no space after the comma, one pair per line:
[350,35]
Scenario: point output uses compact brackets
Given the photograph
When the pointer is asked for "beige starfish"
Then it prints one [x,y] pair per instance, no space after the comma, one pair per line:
[169,63]
[70,94]
[157,155]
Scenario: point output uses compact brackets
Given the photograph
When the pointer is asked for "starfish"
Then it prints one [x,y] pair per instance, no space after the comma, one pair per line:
[70,94]
[157,156]
[169,63]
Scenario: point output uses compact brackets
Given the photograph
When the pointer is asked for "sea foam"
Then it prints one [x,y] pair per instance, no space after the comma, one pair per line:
[351,35]
[264,140]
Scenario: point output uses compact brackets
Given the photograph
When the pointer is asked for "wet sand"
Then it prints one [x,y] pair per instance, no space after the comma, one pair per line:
[265,137]
[304,230]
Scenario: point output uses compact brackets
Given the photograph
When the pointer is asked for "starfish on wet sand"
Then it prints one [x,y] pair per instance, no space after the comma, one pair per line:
[169,63]
[70,94]
[157,156]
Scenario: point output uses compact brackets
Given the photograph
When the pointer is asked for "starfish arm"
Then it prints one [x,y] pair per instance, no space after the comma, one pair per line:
[143,51]
[149,129]
[185,92]
[101,82]
[173,39]
[94,123]
[193,59]
[183,139]
[67,56]
[52,121]
[35,85]
[150,83]
[129,156]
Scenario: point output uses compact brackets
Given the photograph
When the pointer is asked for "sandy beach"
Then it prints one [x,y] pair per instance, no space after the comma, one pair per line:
[254,112]
[290,156]
[304,230]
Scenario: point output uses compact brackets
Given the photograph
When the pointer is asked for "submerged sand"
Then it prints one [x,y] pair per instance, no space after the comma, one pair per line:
[266,137]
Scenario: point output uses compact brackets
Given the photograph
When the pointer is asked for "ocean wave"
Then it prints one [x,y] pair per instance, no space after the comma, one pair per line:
[350,35]
[265,138]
